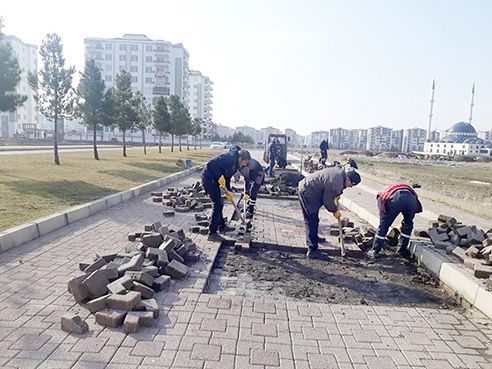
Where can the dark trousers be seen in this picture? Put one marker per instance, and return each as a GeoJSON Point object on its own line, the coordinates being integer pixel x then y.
{"type": "Point", "coordinates": [271, 164]}
{"type": "Point", "coordinates": [403, 202]}
{"type": "Point", "coordinates": [253, 194]}
{"type": "Point", "coordinates": [311, 224]}
{"type": "Point", "coordinates": [212, 188]}
{"type": "Point", "coordinates": [324, 156]}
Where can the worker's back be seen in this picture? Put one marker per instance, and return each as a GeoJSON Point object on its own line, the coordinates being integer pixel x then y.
{"type": "Point", "coordinates": [329, 180]}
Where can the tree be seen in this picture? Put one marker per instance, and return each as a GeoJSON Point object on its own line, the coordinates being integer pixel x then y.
{"type": "Point", "coordinates": [109, 113]}
{"type": "Point", "coordinates": [53, 85]}
{"type": "Point", "coordinates": [144, 118]}
{"type": "Point", "coordinates": [91, 99]}
{"type": "Point", "coordinates": [196, 129]}
{"type": "Point", "coordinates": [10, 76]}
{"type": "Point", "coordinates": [180, 120]}
{"type": "Point", "coordinates": [124, 105]}
{"type": "Point", "coordinates": [161, 119]}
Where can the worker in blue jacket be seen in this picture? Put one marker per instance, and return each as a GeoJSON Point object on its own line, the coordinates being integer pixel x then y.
{"type": "Point", "coordinates": [254, 176]}
{"type": "Point", "coordinates": [221, 165]}
{"type": "Point", "coordinates": [323, 148]}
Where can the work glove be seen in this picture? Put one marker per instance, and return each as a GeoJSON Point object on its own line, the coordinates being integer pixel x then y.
{"type": "Point", "coordinates": [337, 214]}
{"type": "Point", "coordinates": [337, 199]}
{"type": "Point", "coordinates": [246, 197]}
{"type": "Point", "coordinates": [222, 181]}
{"type": "Point", "coordinates": [229, 196]}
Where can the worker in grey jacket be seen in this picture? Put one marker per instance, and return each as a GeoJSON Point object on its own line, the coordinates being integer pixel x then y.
{"type": "Point", "coordinates": [322, 188]}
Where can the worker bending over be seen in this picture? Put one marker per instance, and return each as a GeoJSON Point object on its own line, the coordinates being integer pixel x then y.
{"type": "Point", "coordinates": [254, 176]}
{"type": "Point", "coordinates": [393, 200]}
{"type": "Point", "coordinates": [221, 165]}
{"type": "Point", "coordinates": [322, 188]}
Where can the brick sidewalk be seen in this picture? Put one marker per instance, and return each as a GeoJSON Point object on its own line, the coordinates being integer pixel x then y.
{"type": "Point", "coordinates": [197, 330]}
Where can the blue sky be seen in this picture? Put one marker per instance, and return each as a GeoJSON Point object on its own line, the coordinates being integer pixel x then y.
{"type": "Point", "coordinates": [307, 65]}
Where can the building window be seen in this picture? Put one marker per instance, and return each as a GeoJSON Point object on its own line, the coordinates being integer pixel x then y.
{"type": "Point", "coordinates": [148, 59]}
{"type": "Point", "coordinates": [134, 47]}
{"type": "Point", "coordinates": [148, 79]}
{"type": "Point", "coordinates": [122, 47]}
{"type": "Point", "coordinates": [122, 57]}
{"type": "Point", "coordinates": [148, 47]}
{"type": "Point", "coordinates": [109, 57]}
{"type": "Point", "coordinates": [134, 58]}
{"type": "Point", "coordinates": [109, 47]}
{"type": "Point", "coordinates": [133, 68]}
{"type": "Point", "coordinates": [148, 69]}
{"type": "Point", "coordinates": [108, 78]}
{"type": "Point", "coordinates": [134, 79]}
{"type": "Point", "coordinates": [109, 68]}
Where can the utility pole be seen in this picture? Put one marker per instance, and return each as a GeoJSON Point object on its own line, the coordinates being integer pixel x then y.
{"type": "Point", "coordinates": [429, 130]}
{"type": "Point", "coordinates": [472, 104]}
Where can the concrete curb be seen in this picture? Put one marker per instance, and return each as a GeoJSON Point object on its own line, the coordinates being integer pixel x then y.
{"type": "Point", "coordinates": [454, 276]}
{"type": "Point", "coordinates": [24, 233]}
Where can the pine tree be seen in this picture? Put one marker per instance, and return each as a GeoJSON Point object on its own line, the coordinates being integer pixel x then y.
{"type": "Point", "coordinates": [124, 105]}
{"type": "Point", "coordinates": [161, 119]}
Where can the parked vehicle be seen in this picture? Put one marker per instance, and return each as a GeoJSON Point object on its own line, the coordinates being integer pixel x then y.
{"type": "Point", "coordinates": [217, 145]}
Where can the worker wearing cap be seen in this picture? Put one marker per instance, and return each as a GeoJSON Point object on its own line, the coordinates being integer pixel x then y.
{"type": "Point", "coordinates": [224, 165]}
{"type": "Point", "coordinates": [322, 188]}
{"type": "Point", "coordinates": [254, 176]}
{"type": "Point", "coordinates": [393, 200]}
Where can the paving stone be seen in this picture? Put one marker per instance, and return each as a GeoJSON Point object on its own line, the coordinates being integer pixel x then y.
{"type": "Point", "coordinates": [126, 281]}
{"type": "Point", "coordinates": [130, 324]}
{"type": "Point", "coordinates": [146, 292]}
{"type": "Point", "coordinates": [215, 325]}
{"type": "Point", "coordinates": [83, 265]}
{"type": "Point", "coordinates": [173, 255]}
{"type": "Point", "coordinates": [472, 252]}
{"type": "Point", "coordinates": [110, 318]}
{"type": "Point", "coordinates": [268, 330]}
{"type": "Point", "coordinates": [151, 270]}
{"type": "Point", "coordinates": [73, 323]}
{"type": "Point", "coordinates": [206, 352]}
{"type": "Point", "coordinates": [161, 283]}
{"type": "Point", "coordinates": [148, 305]}
{"type": "Point", "coordinates": [146, 318]}
{"type": "Point", "coordinates": [124, 302]}
{"type": "Point", "coordinates": [178, 230]}
{"type": "Point", "coordinates": [168, 213]}
{"type": "Point", "coordinates": [264, 357]}
{"type": "Point", "coordinates": [152, 240]}
{"type": "Point", "coordinates": [116, 288]}
{"type": "Point", "coordinates": [96, 283]}
{"type": "Point", "coordinates": [141, 277]}
{"type": "Point", "coordinates": [98, 264]}
{"type": "Point", "coordinates": [135, 264]}
{"type": "Point", "coordinates": [176, 270]}
{"type": "Point", "coordinates": [79, 291]}
{"type": "Point", "coordinates": [97, 304]}
{"type": "Point", "coordinates": [148, 348]}
{"type": "Point", "coordinates": [482, 271]}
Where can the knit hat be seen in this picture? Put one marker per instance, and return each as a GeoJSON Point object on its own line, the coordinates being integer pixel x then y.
{"type": "Point", "coordinates": [353, 176]}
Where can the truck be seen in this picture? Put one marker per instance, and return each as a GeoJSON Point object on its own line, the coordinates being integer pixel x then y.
{"type": "Point", "coordinates": [281, 156]}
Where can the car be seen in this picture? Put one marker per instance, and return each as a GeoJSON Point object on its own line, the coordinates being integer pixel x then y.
{"type": "Point", "coordinates": [217, 145]}
{"type": "Point", "coordinates": [227, 145]}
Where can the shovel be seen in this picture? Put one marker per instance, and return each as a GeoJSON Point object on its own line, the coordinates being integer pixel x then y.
{"type": "Point", "coordinates": [340, 235]}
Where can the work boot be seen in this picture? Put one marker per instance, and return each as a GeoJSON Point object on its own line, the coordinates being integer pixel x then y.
{"type": "Point", "coordinates": [373, 254]}
{"type": "Point", "coordinates": [249, 215]}
{"type": "Point", "coordinates": [226, 229]}
{"type": "Point", "coordinates": [315, 254]}
{"type": "Point", "coordinates": [403, 252]}
{"type": "Point", "coordinates": [215, 237]}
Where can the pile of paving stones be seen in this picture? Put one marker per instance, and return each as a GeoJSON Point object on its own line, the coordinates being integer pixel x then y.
{"type": "Point", "coordinates": [363, 237]}
{"type": "Point", "coordinates": [470, 244]}
{"type": "Point", "coordinates": [185, 199]}
{"type": "Point", "coordinates": [311, 165]}
{"type": "Point", "coordinates": [119, 288]}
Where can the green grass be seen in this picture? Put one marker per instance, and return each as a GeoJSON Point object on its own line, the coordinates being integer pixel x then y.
{"type": "Point", "coordinates": [31, 186]}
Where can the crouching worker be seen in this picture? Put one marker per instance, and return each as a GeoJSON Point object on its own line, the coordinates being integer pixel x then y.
{"type": "Point", "coordinates": [393, 200]}
{"type": "Point", "coordinates": [322, 188]}
{"type": "Point", "coordinates": [254, 176]}
{"type": "Point", "coordinates": [221, 165]}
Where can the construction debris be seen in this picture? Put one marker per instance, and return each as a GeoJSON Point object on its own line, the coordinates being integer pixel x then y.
{"type": "Point", "coordinates": [468, 243]}
{"type": "Point", "coordinates": [183, 200]}
{"type": "Point", "coordinates": [119, 288]}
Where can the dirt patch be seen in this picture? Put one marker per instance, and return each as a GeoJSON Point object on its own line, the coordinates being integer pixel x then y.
{"type": "Point", "coordinates": [290, 276]}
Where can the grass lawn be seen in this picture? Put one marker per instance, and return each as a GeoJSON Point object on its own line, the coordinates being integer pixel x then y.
{"type": "Point", "coordinates": [31, 186]}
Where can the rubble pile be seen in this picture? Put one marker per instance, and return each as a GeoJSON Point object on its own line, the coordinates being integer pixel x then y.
{"type": "Point", "coordinates": [185, 199]}
{"type": "Point", "coordinates": [311, 165]}
{"type": "Point", "coordinates": [119, 288]}
{"type": "Point", "coordinates": [470, 244]}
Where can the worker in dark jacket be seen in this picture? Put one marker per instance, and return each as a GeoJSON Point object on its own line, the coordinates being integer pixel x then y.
{"type": "Point", "coordinates": [323, 148]}
{"type": "Point", "coordinates": [254, 176]}
{"type": "Point", "coordinates": [322, 188]}
{"type": "Point", "coordinates": [393, 200]}
{"type": "Point", "coordinates": [221, 165]}
{"type": "Point", "coordinates": [272, 154]}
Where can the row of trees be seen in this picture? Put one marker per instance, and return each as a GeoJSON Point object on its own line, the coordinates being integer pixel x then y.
{"type": "Point", "coordinates": [237, 137]}
{"type": "Point", "coordinates": [97, 106]}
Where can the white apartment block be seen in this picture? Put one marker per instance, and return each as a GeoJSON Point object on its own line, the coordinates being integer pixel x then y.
{"type": "Point", "coordinates": [315, 138]}
{"type": "Point", "coordinates": [414, 139]}
{"type": "Point", "coordinates": [292, 138]}
{"type": "Point", "coordinates": [265, 132]}
{"type": "Point", "coordinates": [378, 139]}
{"type": "Point", "coordinates": [224, 131]}
{"type": "Point", "coordinates": [200, 100]}
{"type": "Point", "coordinates": [396, 140]}
{"type": "Point", "coordinates": [250, 131]}
{"type": "Point", "coordinates": [24, 118]}
{"type": "Point", "coordinates": [157, 67]}
{"type": "Point", "coordinates": [339, 138]}
{"type": "Point", "coordinates": [358, 139]}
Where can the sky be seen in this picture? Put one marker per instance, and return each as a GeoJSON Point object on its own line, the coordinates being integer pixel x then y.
{"type": "Point", "coordinates": [307, 65]}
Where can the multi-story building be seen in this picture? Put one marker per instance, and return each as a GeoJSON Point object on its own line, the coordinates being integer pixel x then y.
{"type": "Point", "coordinates": [378, 139]}
{"type": "Point", "coordinates": [339, 138]}
{"type": "Point", "coordinates": [265, 132]}
{"type": "Point", "coordinates": [250, 131]}
{"type": "Point", "coordinates": [292, 137]}
{"type": "Point", "coordinates": [224, 131]}
{"type": "Point", "coordinates": [200, 101]}
{"type": "Point", "coordinates": [357, 139]}
{"type": "Point", "coordinates": [157, 67]}
{"type": "Point", "coordinates": [24, 118]}
{"type": "Point", "coordinates": [413, 139]}
{"type": "Point", "coordinates": [396, 140]}
{"type": "Point", "coordinates": [316, 137]}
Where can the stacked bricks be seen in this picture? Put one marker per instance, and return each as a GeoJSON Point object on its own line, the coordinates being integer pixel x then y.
{"type": "Point", "coordinates": [182, 200]}
{"type": "Point", "coordinates": [468, 243]}
{"type": "Point", "coordinates": [119, 288]}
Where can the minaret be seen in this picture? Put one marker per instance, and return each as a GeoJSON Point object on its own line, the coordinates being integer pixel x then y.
{"type": "Point", "coordinates": [429, 131]}
{"type": "Point", "coordinates": [472, 104]}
